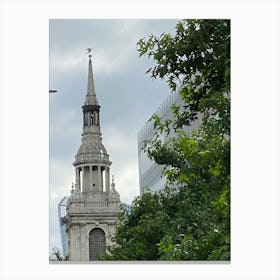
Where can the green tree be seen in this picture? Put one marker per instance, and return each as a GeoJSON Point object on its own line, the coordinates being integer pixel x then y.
{"type": "Point", "coordinates": [140, 229]}
{"type": "Point", "coordinates": [192, 220]}
{"type": "Point", "coordinates": [195, 61]}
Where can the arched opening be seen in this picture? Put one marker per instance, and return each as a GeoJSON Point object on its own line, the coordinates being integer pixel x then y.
{"type": "Point", "coordinates": [91, 118]}
{"type": "Point", "coordinates": [81, 179]}
{"type": "Point", "coordinates": [96, 244]}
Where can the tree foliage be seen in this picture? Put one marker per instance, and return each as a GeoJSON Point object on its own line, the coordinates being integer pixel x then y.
{"type": "Point", "coordinates": [56, 255]}
{"type": "Point", "coordinates": [189, 219]}
{"type": "Point", "coordinates": [195, 61]}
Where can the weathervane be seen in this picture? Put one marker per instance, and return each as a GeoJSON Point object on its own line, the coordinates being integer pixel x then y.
{"type": "Point", "coordinates": [89, 52]}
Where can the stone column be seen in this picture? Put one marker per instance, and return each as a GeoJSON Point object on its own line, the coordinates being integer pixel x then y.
{"type": "Point", "coordinates": [77, 185]}
{"type": "Point", "coordinates": [88, 118]}
{"type": "Point", "coordinates": [75, 243]}
{"type": "Point", "coordinates": [101, 178]}
{"type": "Point", "coordinates": [83, 175]}
{"type": "Point", "coordinates": [94, 118]}
{"type": "Point", "coordinates": [98, 177]}
{"type": "Point", "coordinates": [107, 170]}
{"type": "Point", "coordinates": [84, 240]}
{"type": "Point", "coordinates": [90, 178]}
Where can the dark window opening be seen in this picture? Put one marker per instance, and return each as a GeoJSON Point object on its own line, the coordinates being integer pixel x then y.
{"type": "Point", "coordinates": [91, 118]}
{"type": "Point", "coordinates": [96, 244]}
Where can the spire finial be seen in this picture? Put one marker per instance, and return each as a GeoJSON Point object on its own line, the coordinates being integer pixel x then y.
{"type": "Point", "coordinates": [90, 97]}
{"type": "Point", "coordinates": [89, 52]}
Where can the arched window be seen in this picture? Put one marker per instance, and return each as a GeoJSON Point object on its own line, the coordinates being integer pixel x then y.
{"type": "Point", "coordinates": [85, 119]}
{"type": "Point", "coordinates": [96, 244]}
{"type": "Point", "coordinates": [91, 118]}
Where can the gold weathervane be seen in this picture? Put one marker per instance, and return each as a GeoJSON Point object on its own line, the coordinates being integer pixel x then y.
{"type": "Point", "coordinates": [89, 52]}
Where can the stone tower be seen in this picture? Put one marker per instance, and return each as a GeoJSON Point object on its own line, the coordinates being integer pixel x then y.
{"type": "Point", "coordinates": [93, 207]}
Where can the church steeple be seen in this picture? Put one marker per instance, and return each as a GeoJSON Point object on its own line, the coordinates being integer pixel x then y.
{"type": "Point", "coordinates": [93, 207]}
{"type": "Point", "coordinates": [92, 162]}
{"type": "Point", "coordinates": [91, 107]}
{"type": "Point", "coordinates": [90, 97]}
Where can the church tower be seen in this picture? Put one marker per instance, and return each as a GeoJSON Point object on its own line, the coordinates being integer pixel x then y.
{"type": "Point", "coordinates": [93, 207]}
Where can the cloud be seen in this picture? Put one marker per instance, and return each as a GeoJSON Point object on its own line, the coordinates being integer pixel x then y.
{"type": "Point", "coordinates": [61, 177]}
{"type": "Point", "coordinates": [111, 53]}
{"type": "Point", "coordinates": [113, 41]}
{"type": "Point", "coordinates": [64, 119]}
{"type": "Point", "coordinates": [122, 148]}
{"type": "Point", "coordinates": [127, 97]}
{"type": "Point", "coordinates": [126, 178]}
{"type": "Point", "coordinates": [66, 61]}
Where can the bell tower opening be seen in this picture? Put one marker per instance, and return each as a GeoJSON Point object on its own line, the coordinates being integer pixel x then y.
{"type": "Point", "coordinates": [91, 114]}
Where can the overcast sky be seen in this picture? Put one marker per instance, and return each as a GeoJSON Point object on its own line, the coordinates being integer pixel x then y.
{"type": "Point", "coordinates": [127, 96]}
{"type": "Point", "coordinates": [24, 145]}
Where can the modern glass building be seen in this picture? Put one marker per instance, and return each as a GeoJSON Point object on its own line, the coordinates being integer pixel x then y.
{"type": "Point", "coordinates": [62, 223]}
{"type": "Point", "coordinates": [150, 173]}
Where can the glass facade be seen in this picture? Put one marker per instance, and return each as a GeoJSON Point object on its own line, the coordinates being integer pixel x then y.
{"type": "Point", "coordinates": [62, 213]}
{"type": "Point", "coordinates": [150, 173]}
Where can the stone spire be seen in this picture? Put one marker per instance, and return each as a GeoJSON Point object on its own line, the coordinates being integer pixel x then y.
{"type": "Point", "coordinates": [90, 97]}
{"type": "Point", "coordinates": [93, 207]}
{"type": "Point", "coordinates": [92, 161]}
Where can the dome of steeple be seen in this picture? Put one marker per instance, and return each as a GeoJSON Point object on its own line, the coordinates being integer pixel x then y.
{"type": "Point", "coordinates": [90, 148]}
{"type": "Point", "coordinates": [89, 152]}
